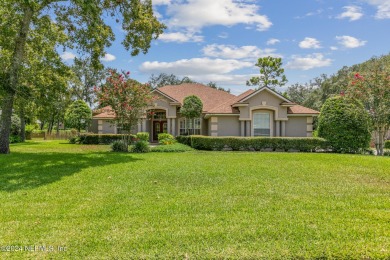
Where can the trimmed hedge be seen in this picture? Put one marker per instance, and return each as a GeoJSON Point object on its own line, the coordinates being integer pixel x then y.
{"type": "Point", "coordinates": [387, 144]}
{"type": "Point", "coordinates": [102, 138]}
{"type": "Point", "coordinates": [302, 144]}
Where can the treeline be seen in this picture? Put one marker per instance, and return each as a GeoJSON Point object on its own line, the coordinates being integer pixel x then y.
{"type": "Point", "coordinates": [314, 93]}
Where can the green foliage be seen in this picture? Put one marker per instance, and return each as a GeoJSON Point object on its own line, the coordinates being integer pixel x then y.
{"type": "Point", "coordinates": [165, 139]}
{"type": "Point", "coordinates": [387, 144]}
{"type": "Point", "coordinates": [15, 125]}
{"type": "Point", "coordinates": [119, 146]}
{"type": "Point", "coordinates": [103, 138]}
{"type": "Point", "coordinates": [176, 147]}
{"type": "Point", "coordinates": [78, 115]}
{"type": "Point", "coordinates": [345, 124]}
{"type": "Point", "coordinates": [143, 136]}
{"type": "Point", "coordinates": [14, 139]}
{"type": "Point", "coordinates": [303, 144]}
{"type": "Point", "coordinates": [271, 73]}
{"type": "Point", "coordinates": [141, 147]}
{"type": "Point", "coordinates": [192, 107]}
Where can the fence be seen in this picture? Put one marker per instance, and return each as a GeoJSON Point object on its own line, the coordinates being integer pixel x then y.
{"type": "Point", "coordinates": [53, 136]}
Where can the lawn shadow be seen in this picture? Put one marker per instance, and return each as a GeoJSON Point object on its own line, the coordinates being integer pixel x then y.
{"type": "Point", "coordinates": [23, 171]}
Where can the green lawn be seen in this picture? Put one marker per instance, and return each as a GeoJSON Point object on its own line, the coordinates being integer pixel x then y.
{"type": "Point", "coordinates": [104, 205]}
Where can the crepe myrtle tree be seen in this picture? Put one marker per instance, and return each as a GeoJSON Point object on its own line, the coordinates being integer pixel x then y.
{"type": "Point", "coordinates": [191, 109]}
{"type": "Point", "coordinates": [372, 87]}
{"type": "Point", "coordinates": [127, 98]}
{"type": "Point", "coordinates": [86, 30]}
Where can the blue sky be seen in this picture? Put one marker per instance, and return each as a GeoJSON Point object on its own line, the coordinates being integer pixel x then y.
{"type": "Point", "coordinates": [221, 40]}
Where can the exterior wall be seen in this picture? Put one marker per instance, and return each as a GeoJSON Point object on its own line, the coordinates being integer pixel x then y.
{"type": "Point", "coordinates": [296, 127]}
{"type": "Point", "coordinates": [108, 127]}
{"type": "Point", "coordinates": [228, 126]}
{"type": "Point", "coordinates": [164, 104]}
{"type": "Point", "coordinates": [205, 127]}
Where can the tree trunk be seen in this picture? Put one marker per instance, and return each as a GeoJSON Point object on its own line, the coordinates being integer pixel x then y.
{"type": "Point", "coordinates": [58, 129]}
{"type": "Point", "coordinates": [12, 78]}
{"type": "Point", "coordinates": [22, 124]}
{"type": "Point", "coordinates": [380, 140]}
{"type": "Point", "coordinates": [6, 122]}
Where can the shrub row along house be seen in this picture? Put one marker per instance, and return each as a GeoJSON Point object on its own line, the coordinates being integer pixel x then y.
{"type": "Point", "coordinates": [261, 112]}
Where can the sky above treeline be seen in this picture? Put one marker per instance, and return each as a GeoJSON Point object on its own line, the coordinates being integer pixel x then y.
{"type": "Point", "coordinates": [221, 40]}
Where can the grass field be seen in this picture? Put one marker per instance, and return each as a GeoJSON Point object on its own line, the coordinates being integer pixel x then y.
{"type": "Point", "coordinates": [84, 202]}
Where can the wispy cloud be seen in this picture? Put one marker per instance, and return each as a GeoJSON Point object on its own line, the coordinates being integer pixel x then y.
{"type": "Point", "coordinates": [248, 52]}
{"type": "Point", "coordinates": [68, 56]}
{"type": "Point", "coordinates": [310, 43]}
{"type": "Point", "coordinates": [352, 12]}
{"type": "Point", "coordinates": [108, 57]}
{"type": "Point", "coordinates": [350, 42]}
{"type": "Point", "coordinates": [180, 37]}
{"type": "Point", "coordinates": [383, 8]}
{"type": "Point", "coordinates": [273, 41]}
{"type": "Point", "coordinates": [316, 60]}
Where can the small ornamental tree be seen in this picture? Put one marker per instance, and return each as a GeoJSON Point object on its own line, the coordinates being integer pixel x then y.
{"type": "Point", "coordinates": [271, 73]}
{"type": "Point", "coordinates": [373, 89]}
{"type": "Point", "coordinates": [192, 108]}
{"type": "Point", "coordinates": [127, 98]}
{"type": "Point", "coordinates": [345, 124]}
{"type": "Point", "coordinates": [78, 115]}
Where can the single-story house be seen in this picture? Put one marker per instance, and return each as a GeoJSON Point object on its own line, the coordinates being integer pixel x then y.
{"type": "Point", "coordinates": [261, 112]}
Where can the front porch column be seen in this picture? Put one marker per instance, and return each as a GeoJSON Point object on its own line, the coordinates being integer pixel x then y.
{"type": "Point", "coordinates": [242, 132]}
{"type": "Point", "coordinates": [174, 126]}
{"type": "Point", "coordinates": [248, 128]}
{"type": "Point", "coordinates": [277, 128]}
{"type": "Point", "coordinates": [283, 128]}
{"type": "Point", "coordinates": [169, 126]}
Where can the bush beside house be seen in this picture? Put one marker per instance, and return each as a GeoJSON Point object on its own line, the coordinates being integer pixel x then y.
{"type": "Point", "coordinates": [345, 124]}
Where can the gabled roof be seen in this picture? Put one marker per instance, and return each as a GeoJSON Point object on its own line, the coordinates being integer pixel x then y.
{"type": "Point", "coordinates": [245, 98]}
{"type": "Point", "coordinates": [299, 110]}
{"type": "Point", "coordinates": [210, 97]}
{"type": "Point", "coordinates": [104, 113]}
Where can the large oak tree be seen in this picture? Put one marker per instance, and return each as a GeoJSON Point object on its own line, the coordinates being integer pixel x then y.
{"type": "Point", "coordinates": [83, 23]}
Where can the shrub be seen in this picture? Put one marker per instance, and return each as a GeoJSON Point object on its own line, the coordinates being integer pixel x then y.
{"type": "Point", "coordinates": [303, 144]}
{"type": "Point", "coordinates": [345, 124]}
{"type": "Point", "coordinates": [103, 138]}
{"type": "Point", "coordinates": [165, 139]}
{"type": "Point", "coordinates": [387, 144]}
{"type": "Point", "coordinates": [143, 136]}
{"type": "Point", "coordinates": [141, 147]}
{"type": "Point", "coordinates": [119, 146]}
{"type": "Point", "coordinates": [14, 139]}
{"type": "Point", "coordinates": [171, 148]}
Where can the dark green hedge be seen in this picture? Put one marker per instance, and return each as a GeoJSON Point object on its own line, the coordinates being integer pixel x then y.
{"type": "Point", "coordinates": [387, 144]}
{"type": "Point", "coordinates": [101, 138]}
{"type": "Point", "coordinates": [303, 144]}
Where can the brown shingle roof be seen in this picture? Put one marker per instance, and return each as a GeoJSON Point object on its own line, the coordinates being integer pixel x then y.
{"type": "Point", "coordinates": [105, 113]}
{"type": "Point", "coordinates": [298, 109]}
{"type": "Point", "coordinates": [210, 97]}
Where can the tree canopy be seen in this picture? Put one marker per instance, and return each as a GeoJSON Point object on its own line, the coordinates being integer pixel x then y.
{"type": "Point", "coordinates": [78, 115]}
{"type": "Point", "coordinates": [271, 73]}
{"type": "Point", "coordinates": [79, 25]}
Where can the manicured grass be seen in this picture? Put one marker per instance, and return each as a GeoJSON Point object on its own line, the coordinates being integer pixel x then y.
{"type": "Point", "coordinates": [105, 205]}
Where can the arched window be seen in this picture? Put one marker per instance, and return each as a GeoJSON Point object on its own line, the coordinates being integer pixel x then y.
{"type": "Point", "coordinates": [261, 124]}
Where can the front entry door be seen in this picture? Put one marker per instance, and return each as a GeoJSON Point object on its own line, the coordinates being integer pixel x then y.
{"type": "Point", "coordinates": [159, 127]}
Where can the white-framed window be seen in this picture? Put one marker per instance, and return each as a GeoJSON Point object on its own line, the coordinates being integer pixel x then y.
{"type": "Point", "coordinates": [189, 126]}
{"type": "Point", "coordinates": [261, 124]}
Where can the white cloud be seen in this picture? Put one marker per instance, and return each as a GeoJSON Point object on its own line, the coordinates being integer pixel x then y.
{"type": "Point", "coordinates": [316, 60]}
{"type": "Point", "coordinates": [68, 56]}
{"type": "Point", "coordinates": [180, 37]}
{"type": "Point", "coordinates": [352, 12]}
{"type": "Point", "coordinates": [334, 48]}
{"type": "Point", "coordinates": [349, 41]}
{"type": "Point", "coordinates": [234, 52]}
{"type": "Point", "coordinates": [195, 66]}
{"type": "Point", "coordinates": [383, 8]}
{"type": "Point", "coordinates": [310, 43]}
{"type": "Point", "coordinates": [108, 57]}
{"type": "Point", "coordinates": [223, 35]}
{"type": "Point", "coordinates": [196, 14]}
{"type": "Point", "coordinates": [161, 2]}
{"type": "Point", "coordinates": [272, 41]}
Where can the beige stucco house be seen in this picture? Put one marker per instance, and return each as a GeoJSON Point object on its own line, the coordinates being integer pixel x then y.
{"type": "Point", "coordinates": [261, 112]}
